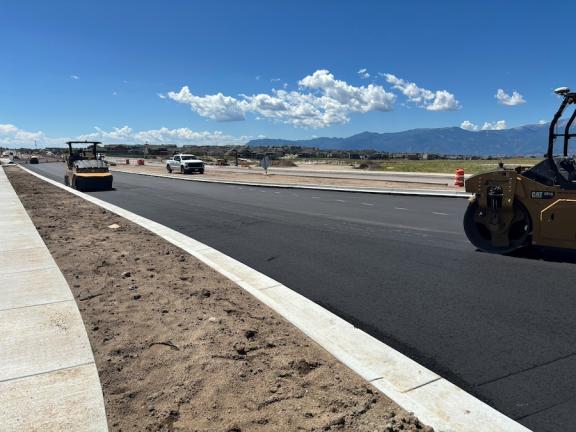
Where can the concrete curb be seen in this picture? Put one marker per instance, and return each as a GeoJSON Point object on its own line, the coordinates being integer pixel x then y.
{"type": "Point", "coordinates": [48, 377]}
{"type": "Point", "coordinates": [413, 192]}
{"type": "Point", "coordinates": [431, 398]}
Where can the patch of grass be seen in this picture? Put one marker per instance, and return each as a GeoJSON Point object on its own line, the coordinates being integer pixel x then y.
{"type": "Point", "coordinates": [435, 166]}
{"type": "Point", "coordinates": [450, 166]}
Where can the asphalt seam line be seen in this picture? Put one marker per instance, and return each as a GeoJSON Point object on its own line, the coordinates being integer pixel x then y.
{"type": "Point", "coordinates": [435, 401]}
{"type": "Point", "coordinates": [414, 192]}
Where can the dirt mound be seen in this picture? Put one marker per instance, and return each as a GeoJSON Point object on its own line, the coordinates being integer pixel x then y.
{"type": "Point", "coordinates": [368, 165]}
{"type": "Point", "coordinates": [283, 163]}
{"type": "Point", "coordinates": [181, 348]}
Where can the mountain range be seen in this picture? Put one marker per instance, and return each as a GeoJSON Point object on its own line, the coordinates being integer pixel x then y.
{"type": "Point", "coordinates": [523, 140]}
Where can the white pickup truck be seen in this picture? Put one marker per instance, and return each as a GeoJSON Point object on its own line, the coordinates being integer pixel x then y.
{"type": "Point", "coordinates": [185, 163]}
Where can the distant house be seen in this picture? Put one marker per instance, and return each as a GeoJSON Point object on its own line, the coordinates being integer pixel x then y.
{"type": "Point", "coordinates": [246, 153]}
{"type": "Point", "coordinates": [118, 149]}
{"type": "Point", "coordinates": [306, 155]}
{"type": "Point", "coordinates": [160, 149]}
{"type": "Point", "coordinates": [379, 156]}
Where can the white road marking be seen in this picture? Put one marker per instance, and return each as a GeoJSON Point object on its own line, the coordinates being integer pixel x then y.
{"type": "Point", "coordinates": [340, 200]}
{"type": "Point", "coordinates": [400, 208]}
{"type": "Point", "coordinates": [367, 204]}
{"type": "Point", "coordinates": [315, 197]}
{"type": "Point", "coordinates": [277, 192]}
{"type": "Point", "coordinates": [441, 214]}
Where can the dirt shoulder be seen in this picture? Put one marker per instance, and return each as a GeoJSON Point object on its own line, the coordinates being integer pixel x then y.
{"type": "Point", "coordinates": [260, 177]}
{"type": "Point", "coordinates": [181, 348]}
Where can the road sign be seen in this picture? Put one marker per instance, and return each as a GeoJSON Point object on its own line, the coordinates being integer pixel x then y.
{"type": "Point", "coordinates": [265, 163]}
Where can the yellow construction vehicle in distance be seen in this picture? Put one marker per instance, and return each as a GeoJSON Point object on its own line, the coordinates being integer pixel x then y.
{"type": "Point", "coordinates": [84, 170]}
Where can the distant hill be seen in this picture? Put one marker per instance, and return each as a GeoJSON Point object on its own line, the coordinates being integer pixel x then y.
{"type": "Point", "coordinates": [524, 140]}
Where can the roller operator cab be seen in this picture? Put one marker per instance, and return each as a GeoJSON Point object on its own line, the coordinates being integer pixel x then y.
{"type": "Point", "coordinates": [514, 208]}
{"type": "Point", "coordinates": [85, 171]}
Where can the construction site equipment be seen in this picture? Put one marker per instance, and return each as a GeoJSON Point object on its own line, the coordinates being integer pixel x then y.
{"type": "Point", "coordinates": [514, 208]}
{"type": "Point", "coordinates": [84, 170]}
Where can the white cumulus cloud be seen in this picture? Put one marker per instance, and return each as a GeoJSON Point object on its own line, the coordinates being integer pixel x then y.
{"type": "Point", "coordinates": [364, 73]}
{"type": "Point", "coordinates": [469, 126]}
{"type": "Point", "coordinates": [74, 77]}
{"type": "Point", "coordinates": [11, 136]}
{"type": "Point", "coordinates": [321, 101]}
{"type": "Point", "coordinates": [497, 125]}
{"type": "Point", "coordinates": [511, 100]}
{"type": "Point", "coordinates": [439, 100]}
{"type": "Point", "coordinates": [180, 136]}
{"type": "Point", "coordinates": [216, 107]}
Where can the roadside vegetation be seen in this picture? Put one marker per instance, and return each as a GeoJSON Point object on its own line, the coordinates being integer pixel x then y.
{"type": "Point", "coordinates": [428, 166]}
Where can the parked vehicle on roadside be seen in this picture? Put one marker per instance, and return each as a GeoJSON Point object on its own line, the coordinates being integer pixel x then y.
{"type": "Point", "coordinates": [34, 159]}
{"type": "Point", "coordinates": [185, 164]}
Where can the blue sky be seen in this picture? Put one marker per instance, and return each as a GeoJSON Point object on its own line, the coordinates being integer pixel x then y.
{"type": "Point", "coordinates": [68, 67]}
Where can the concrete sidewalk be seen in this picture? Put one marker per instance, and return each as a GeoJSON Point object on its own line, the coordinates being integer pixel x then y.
{"type": "Point", "coordinates": [48, 378]}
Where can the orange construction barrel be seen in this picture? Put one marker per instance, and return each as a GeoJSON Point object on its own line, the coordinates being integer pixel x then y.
{"type": "Point", "coordinates": [459, 178]}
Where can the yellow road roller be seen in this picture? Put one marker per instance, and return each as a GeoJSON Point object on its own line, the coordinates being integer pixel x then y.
{"type": "Point", "coordinates": [84, 170]}
{"type": "Point", "coordinates": [515, 208]}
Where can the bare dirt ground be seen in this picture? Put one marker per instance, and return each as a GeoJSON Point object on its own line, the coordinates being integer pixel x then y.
{"type": "Point", "coordinates": [181, 348]}
{"type": "Point", "coordinates": [257, 176]}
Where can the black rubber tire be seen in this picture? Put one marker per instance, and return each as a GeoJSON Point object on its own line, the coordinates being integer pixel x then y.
{"type": "Point", "coordinates": [201, 171]}
{"type": "Point", "coordinates": [169, 169]}
{"type": "Point", "coordinates": [66, 181]}
{"type": "Point", "coordinates": [182, 170]}
{"type": "Point", "coordinates": [519, 234]}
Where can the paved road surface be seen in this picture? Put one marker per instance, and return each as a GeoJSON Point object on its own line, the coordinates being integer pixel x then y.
{"type": "Point", "coordinates": [502, 328]}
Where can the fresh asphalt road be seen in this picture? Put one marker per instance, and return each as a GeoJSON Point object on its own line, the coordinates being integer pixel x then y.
{"type": "Point", "coordinates": [400, 268]}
